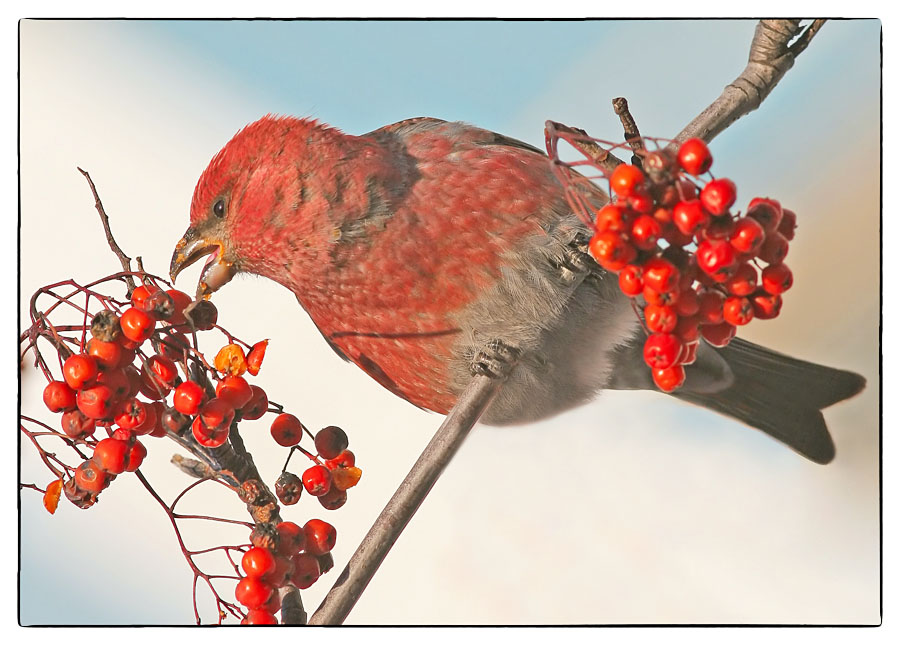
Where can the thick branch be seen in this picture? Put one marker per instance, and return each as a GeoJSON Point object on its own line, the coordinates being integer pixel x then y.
{"type": "Point", "coordinates": [771, 56]}
{"type": "Point", "coordinates": [403, 505]}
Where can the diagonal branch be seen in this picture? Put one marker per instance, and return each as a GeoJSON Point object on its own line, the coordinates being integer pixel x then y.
{"type": "Point", "coordinates": [771, 56]}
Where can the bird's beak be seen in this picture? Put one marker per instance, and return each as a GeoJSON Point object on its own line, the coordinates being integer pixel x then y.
{"type": "Point", "coordinates": [194, 246]}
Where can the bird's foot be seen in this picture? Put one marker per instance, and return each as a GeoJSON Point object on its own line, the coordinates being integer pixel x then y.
{"type": "Point", "coordinates": [495, 360]}
{"type": "Point", "coordinates": [575, 260]}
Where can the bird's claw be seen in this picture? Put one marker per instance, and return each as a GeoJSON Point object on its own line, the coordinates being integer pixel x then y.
{"type": "Point", "coordinates": [495, 360]}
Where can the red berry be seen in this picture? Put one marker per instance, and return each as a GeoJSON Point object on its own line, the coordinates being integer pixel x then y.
{"type": "Point", "coordinates": [661, 350]}
{"type": "Point", "coordinates": [625, 180]}
{"type": "Point", "coordinates": [718, 335]}
{"type": "Point", "coordinates": [687, 329]}
{"type": "Point", "coordinates": [316, 480]}
{"type": "Point", "coordinates": [694, 157]}
{"type": "Point", "coordinates": [660, 318]}
{"type": "Point", "coordinates": [660, 274]}
{"type": "Point", "coordinates": [188, 397]}
{"type": "Point", "coordinates": [257, 405]}
{"type": "Point", "coordinates": [216, 413]}
{"type": "Point", "coordinates": [258, 562]}
{"type": "Point", "coordinates": [611, 217]}
{"type": "Point", "coordinates": [89, 477]}
{"type": "Point", "coordinates": [107, 355]}
{"type": "Point", "coordinates": [777, 278]}
{"type": "Point", "coordinates": [141, 293]}
{"type": "Point", "coordinates": [688, 303]}
{"type": "Point", "coordinates": [291, 538]}
{"type": "Point", "coordinates": [255, 357]}
{"type": "Point", "coordinates": [151, 418]}
{"type": "Point", "coordinates": [689, 353]}
{"type": "Point", "coordinates": [76, 424]}
{"type": "Point", "coordinates": [209, 437]}
{"type": "Point", "coordinates": [765, 305]}
{"type": "Point", "coordinates": [136, 456]}
{"type": "Point", "coordinates": [344, 460]}
{"type": "Point", "coordinates": [137, 325]}
{"type": "Point", "coordinates": [747, 235]}
{"type": "Point", "coordinates": [631, 280]}
{"type": "Point", "coordinates": [333, 499]}
{"type": "Point", "coordinates": [320, 537]}
{"type": "Point", "coordinates": [719, 228]}
{"type": "Point", "coordinates": [287, 430]}
{"type": "Point", "coordinates": [640, 201]}
{"type": "Point", "coordinates": [174, 345]}
{"type": "Point", "coordinates": [260, 617]}
{"type": "Point", "coordinates": [645, 232]}
{"type": "Point", "coordinates": [96, 401]}
{"type": "Point", "coordinates": [718, 195]}
{"type": "Point", "coordinates": [767, 212]}
{"type": "Point", "coordinates": [690, 217]}
{"type": "Point", "coordinates": [58, 396]}
{"type": "Point", "coordinates": [306, 571]}
{"type": "Point", "coordinates": [180, 300]}
{"type": "Point", "coordinates": [716, 258]}
{"type": "Point", "coordinates": [174, 421]}
{"type": "Point", "coordinates": [669, 378]}
{"type": "Point", "coordinates": [774, 249]}
{"type": "Point", "coordinates": [79, 370]}
{"type": "Point", "coordinates": [612, 250]}
{"type": "Point", "coordinates": [737, 310]}
{"type": "Point", "coordinates": [281, 572]}
{"type": "Point", "coordinates": [253, 593]}
{"type": "Point", "coordinates": [330, 442]}
{"type": "Point", "coordinates": [654, 297]}
{"type": "Point", "coordinates": [743, 282]}
{"type": "Point", "coordinates": [235, 391]}
{"type": "Point", "coordinates": [788, 224]}
{"type": "Point", "coordinates": [131, 413]}
{"type": "Point", "coordinates": [711, 302]}
{"type": "Point", "coordinates": [111, 455]}
{"type": "Point", "coordinates": [161, 369]}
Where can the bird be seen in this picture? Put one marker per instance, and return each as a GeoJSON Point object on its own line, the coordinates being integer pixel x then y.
{"type": "Point", "coordinates": [422, 246]}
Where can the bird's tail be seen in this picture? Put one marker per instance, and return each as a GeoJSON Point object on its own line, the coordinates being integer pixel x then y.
{"type": "Point", "coordinates": [780, 395]}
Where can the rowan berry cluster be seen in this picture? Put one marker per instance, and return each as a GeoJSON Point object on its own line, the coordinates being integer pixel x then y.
{"type": "Point", "coordinates": [289, 554]}
{"type": "Point", "coordinates": [691, 264]}
{"type": "Point", "coordinates": [136, 371]}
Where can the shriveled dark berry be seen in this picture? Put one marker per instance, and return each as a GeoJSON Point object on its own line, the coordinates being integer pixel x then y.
{"type": "Point", "coordinates": [105, 326]}
{"type": "Point", "coordinates": [288, 488]}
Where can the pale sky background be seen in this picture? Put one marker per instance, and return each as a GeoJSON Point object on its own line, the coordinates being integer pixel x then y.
{"type": "Point", "coordinates": [672, 514]}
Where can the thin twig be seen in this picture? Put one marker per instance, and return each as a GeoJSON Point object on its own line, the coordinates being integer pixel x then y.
{"type": "Point", "coordinates": [104, 218]}
{"type": "Point", "coordinates": [603, 158]}
{"type": "Point", "coordinates": [632, 134]}
{"type": "Point", "coordinates": [771, 56]}
{"type": "Point", "coordinates": [403, 505]}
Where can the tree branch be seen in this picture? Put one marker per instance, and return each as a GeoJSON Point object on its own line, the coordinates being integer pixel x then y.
{"type": "Point", "coordinates": [405, 502]}
{"type": "Point", "coordinates": [771, 56]}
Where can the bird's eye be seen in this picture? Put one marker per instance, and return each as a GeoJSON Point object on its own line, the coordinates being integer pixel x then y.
{"type": "Point", "coordinates": [219, 208]}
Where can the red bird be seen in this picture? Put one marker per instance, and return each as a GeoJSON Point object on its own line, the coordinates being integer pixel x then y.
{"type": "Point", "coordinates": [416, 245]}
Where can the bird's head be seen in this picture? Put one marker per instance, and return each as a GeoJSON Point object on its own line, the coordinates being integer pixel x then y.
{"type": "Point", "coordinates": [253, 200]}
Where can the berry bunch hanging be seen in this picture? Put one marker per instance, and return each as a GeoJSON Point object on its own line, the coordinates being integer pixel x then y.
{"type": "Point", "coordinates": [693, 265]}
{"type": "Point", "coordinates": [133, 370]}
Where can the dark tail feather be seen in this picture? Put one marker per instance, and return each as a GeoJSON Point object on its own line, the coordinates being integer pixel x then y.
{"type": "Point", "coordinates": [780, 395]}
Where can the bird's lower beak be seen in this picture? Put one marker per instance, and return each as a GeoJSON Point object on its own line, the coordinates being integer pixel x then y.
{"type": "Point", "coordinates": [217, 271]}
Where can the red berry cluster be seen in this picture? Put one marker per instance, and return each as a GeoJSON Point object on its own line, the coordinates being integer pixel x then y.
{"type": "Point", "coordinates": [294, 554]}
{"type": "Point", "coordinates": [332, 473]}
{"type": "Point", "coordinates": [115, 383]}
{"type": "Point", "coordinates": [674, 242]}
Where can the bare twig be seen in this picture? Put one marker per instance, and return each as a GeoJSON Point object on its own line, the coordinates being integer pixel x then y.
{"type": "Point", "coordinates": [104, 218]}
{"type": "Point", "coordinates": [771, 56]}
{"type": "Point", "coordinates": [632, 134]}
{"type": "Point", "coordinates": [403, 505]}
{"type": "Point", "coordinates": [604, 159]}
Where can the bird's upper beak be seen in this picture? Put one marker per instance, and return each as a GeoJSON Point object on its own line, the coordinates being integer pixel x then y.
{"type": "Point", "coordinates": [193, 246]}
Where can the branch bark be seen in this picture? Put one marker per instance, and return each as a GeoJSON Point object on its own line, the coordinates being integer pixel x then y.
{"type": "Point", "coordinates": [771, 56]}
{"type": "Point", "coordinates": [405, 502]}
